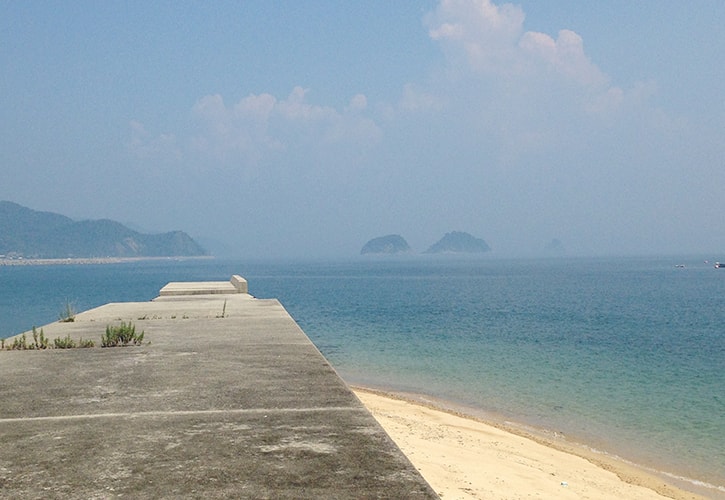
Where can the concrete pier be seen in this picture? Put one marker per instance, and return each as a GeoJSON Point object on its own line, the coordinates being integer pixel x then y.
{"type": "Point", "coordinates": [226, 398]}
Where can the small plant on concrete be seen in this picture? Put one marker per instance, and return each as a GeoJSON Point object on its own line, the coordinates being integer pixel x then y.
{"type": "Point", "coordinates": [40, 341]}
{"type": "Point", "coordinates": [64, 342]}
{"type": "Point", "coordinates": [20, 343]}
{"type": "Point", "coordinates": [86, 343]}
{"type": "Point", "coordinates": [121, 335]}
{"type": "Point", "coordinates": [68, 314]}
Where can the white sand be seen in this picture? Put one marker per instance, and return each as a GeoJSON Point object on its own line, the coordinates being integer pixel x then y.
{"type": "Point", "coordinates": [464, 458]}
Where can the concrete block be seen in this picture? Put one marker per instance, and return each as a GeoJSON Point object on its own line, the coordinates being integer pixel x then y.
{"type": "Point", "coordinates": [239, 283]}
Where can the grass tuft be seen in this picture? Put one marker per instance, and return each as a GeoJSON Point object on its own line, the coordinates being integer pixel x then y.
{"type": "Point", "coordinates": [121, 335]}
{"type": "Point", "coordinates": [68, 314]}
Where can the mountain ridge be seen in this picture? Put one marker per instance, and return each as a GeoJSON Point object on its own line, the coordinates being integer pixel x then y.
{"type": "Point", "coordinates": [33, 234]}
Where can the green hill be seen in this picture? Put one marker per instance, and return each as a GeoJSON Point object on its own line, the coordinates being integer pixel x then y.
{"type": "Point", "coordinates": [32, 234]}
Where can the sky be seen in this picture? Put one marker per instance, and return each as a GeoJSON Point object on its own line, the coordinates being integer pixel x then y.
{"type": "Point", "coordinates": [304, 129]}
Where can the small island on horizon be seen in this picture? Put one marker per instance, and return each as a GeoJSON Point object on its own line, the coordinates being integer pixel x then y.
{"type": "Point", "coordinates": [388, 245]}
{"type": "Point", "coordinates": [455, 242]}
{"type": "Point", "coordinates": [459, 242]}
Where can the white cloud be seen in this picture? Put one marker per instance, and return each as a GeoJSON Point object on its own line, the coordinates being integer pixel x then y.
{"type": "Point", "coordinates": [258, 124]}
{"type": "Point", "coordinates": [606, 104]}
{"type": "Point", "coordinates": [144, 145]}
{"type": "Point", "coordinates": [358, 103]}
{"type": "Point", "coordinates": [476, 20]}
{"type": "Point", "coordinates": [565, 56]}
{"type": "Point", "coordinates": [527, 89]}
{"type": "Point", "coordinates": [480, 31]}
{"type": "Point", "coordinates": [235, 132]}
{"type": "Point", "coordinates": [492, 41]}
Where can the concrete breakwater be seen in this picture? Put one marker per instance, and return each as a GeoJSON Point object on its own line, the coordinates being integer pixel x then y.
{"type": "Point", "coordinates": [226, 398]}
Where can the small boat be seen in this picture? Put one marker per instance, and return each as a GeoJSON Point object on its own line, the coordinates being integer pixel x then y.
{"type": "Point", "coordinates": [718, 265]}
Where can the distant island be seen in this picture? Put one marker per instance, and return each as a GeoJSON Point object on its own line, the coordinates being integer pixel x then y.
{"type": "Point", "coordinates": [456, 242]}
{"type": "Point", "coordinates": [31, 234]}
{"type": "Point", "coordinates": [459, 242]}
{"type": "Point", "coordinates": [554, 247]}
{"type": "Point", "coordinates": [390, 244]}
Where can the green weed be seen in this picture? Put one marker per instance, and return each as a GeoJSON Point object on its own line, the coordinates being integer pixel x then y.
{"type": "Point", "coordinates": [40, 341]}
{"type": "Point", "coordinates": [20, 343]}
{"type": "Point", "coordinates": [68, 314]}
{"type": "Point", "coordinates": [121, 335]}
{"type": "Point", "coordinates": [64, 343]}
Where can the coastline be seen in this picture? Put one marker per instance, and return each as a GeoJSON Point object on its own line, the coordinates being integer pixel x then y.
{"type": "Point", "coordinates": [464, 456]}
{"type": "Point", "coordinates": [349, 328]}
{"type": "Point", "coordinates": [97, 260]}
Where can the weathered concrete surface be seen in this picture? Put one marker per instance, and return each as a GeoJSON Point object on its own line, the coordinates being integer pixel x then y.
{"type": "Point", "coordinates": [227, 398]}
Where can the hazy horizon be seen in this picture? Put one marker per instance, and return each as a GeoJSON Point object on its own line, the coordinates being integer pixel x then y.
{"type": "Point", "coordinates": [287, 129]}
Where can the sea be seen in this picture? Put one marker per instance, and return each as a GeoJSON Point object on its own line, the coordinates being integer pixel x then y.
{"type": "Point", "coordinates": [624, 355]}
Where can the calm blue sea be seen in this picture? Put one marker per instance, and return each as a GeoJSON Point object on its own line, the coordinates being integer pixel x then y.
{"type": "Point", "coordinates": [626, 355]}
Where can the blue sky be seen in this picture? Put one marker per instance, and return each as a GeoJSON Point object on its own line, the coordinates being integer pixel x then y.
{"type": "Point", "coordinates": [307, 128]}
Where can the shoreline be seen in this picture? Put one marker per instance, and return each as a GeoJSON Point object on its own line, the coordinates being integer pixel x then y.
{"type": "Point", "coordinates": [97, 260]}
{"type": "Point", "coordinates": [466, 456]}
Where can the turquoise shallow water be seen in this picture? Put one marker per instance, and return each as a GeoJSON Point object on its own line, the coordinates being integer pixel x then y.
{"type": "Point", "coordinates": [626, 355]}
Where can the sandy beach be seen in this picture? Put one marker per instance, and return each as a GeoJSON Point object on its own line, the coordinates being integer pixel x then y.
{"type": "Point", "coordinates": [465, 458]}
